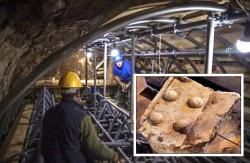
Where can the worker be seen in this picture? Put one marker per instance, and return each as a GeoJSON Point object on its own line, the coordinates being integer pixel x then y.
{"type": "Point", "coordinates": [122, 71]}
{"type": "Point", "coordinates": [68, 134]}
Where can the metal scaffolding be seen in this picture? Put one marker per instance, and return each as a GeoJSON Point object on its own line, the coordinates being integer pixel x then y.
{"type": "Point", "coordinates": [114, 124]}
{"type": "Point", "coordinates": [31, 147]}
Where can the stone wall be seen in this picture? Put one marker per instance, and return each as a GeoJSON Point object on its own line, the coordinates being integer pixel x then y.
{"type": "Point", "coordinates": [31, 31]}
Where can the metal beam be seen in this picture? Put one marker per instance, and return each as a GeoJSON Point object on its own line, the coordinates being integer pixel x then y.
{"type": "Point", "coordinates": [99, 64]}
{"type": "Point", "coordinates": [223, 70]}
{"type": "Point", "coordinates": [136, 47]}
{"type": "Point", "coordinates": [195, 42]}
{"type": "Point", "coordinates": [192, 65]}
{"type": "Point", "coordinates": [194, 53]}
{"type": "Point", "coordinates": [129, 47]}
{"type": "Point", "coordinates": [123, 111]}
{"type": "Point", "coordinates": [132, 82]}
{"type": "Point", "coordinates": [126, 46]}
{"type": "Point", "coordinates": [95, 76]}
{"type": "Point", "coordinates": [148, 43]}
{"type": "Point", "coordinates": [86, 70]}
{"type": "Point", "coordinates": [195, 25]}
{"type": "Point", "coordinates": [223, 40]}
{"type": "Point", "coordinates": [105, 59]}
{"type": "Point", "coordinates": [165, 43]}
{"type": "Point", "coordinates": [220, 38]}
{"type": "Point", "coordinates": [210, 45]}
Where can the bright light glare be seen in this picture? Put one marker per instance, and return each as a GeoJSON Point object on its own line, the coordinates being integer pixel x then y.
{"type": "Point", "coordinates": [81, 61]}
{"type": "Point", "coordinates": [114, 52]}
{"type": "Point", "coordinates": [53, 79]}
{"type": "Point", "coordinates": [242, 46]}
{"type": "Point", "coordinates": [89, 54]}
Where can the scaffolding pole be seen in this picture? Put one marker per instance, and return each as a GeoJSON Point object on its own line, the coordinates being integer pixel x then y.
{"type": "Point", "coordinates": [105, 69]}
{"type": "Point", "coordinates": [95, 76]}
{"type": "Point", "coordinates": [86, 70]}
{"type": "Point", "coordinates": [210, 44]}
{"type": "Point", "coordinates": [132, 81]}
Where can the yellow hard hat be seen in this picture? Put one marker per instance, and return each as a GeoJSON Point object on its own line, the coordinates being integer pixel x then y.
{"type": "Point", "coordinates": [70, 80]}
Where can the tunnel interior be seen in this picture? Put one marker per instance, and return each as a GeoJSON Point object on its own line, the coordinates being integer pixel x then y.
{"type": "Point", "coordinates": [40, 42]}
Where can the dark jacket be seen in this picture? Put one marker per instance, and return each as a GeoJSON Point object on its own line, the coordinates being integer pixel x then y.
{"type": "Point", "coordinates": [67, 135]}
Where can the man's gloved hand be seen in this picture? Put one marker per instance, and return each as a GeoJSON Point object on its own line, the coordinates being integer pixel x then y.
{"type": "Point", "coordinates": [81, 102]}
{"type": "Point", "coordinates": [116, 158]}
{"type": "Point", "coordinates": [127, 86]}
{"type": "Point", "coordinates": [123, 85]}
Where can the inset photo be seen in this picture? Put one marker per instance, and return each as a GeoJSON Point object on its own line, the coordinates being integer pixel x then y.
{"type": "Point", "coordinates": [193, 115]}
